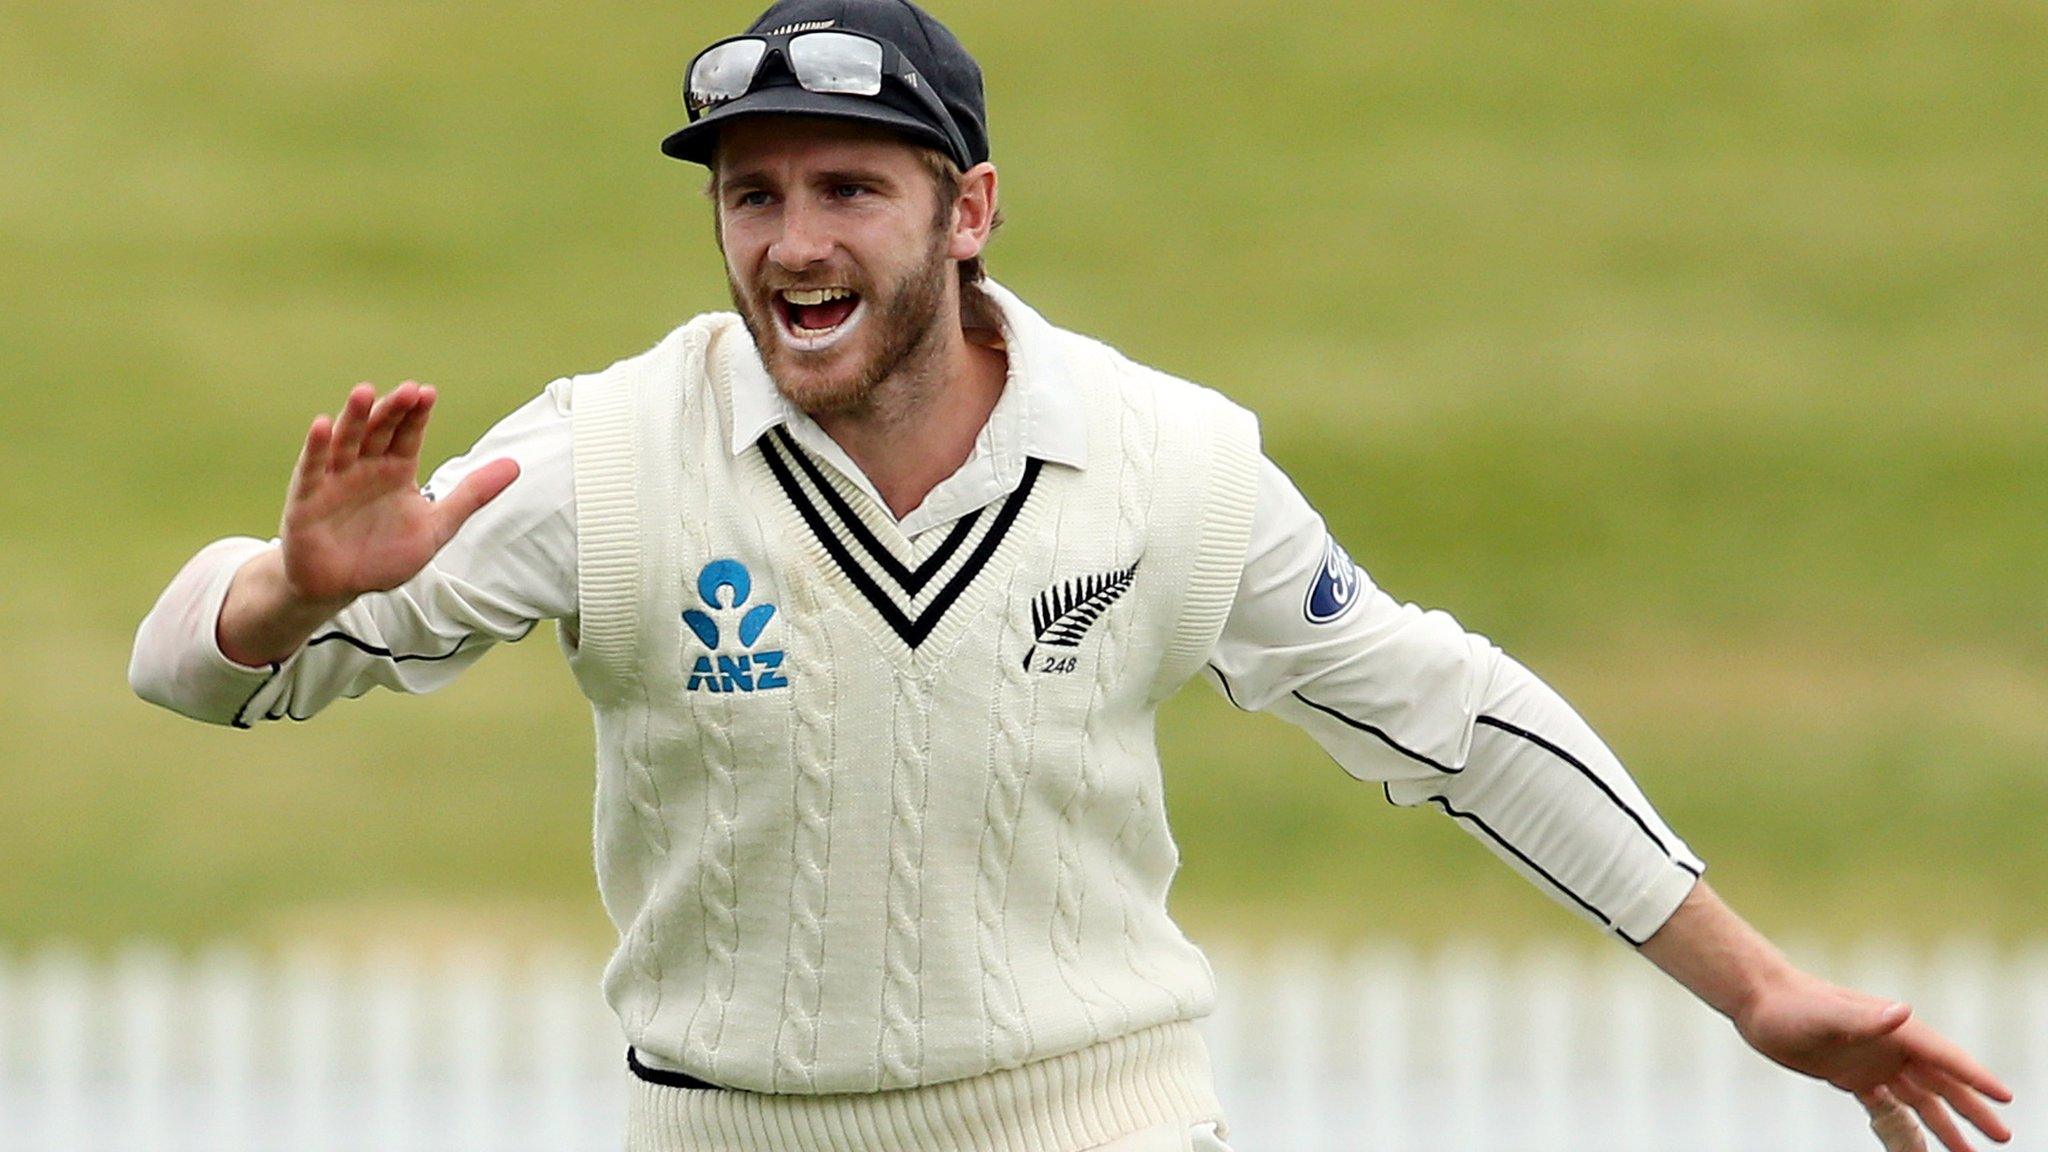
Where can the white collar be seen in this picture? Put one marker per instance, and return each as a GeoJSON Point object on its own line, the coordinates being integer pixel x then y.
{"type": "Point", "coordinates": [1039, 415]}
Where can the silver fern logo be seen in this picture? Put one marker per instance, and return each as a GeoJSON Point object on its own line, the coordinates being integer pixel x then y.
{"type": "Point", "coordinates": [1062, 614]}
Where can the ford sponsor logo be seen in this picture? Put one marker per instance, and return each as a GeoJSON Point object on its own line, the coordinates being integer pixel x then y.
{"type": "Point", "coordinates": [1336, 586]}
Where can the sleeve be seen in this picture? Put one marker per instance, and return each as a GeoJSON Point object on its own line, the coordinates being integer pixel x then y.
{"type": "Point", "coordinates": [1440, 716]}
{"type": "Point", "coordinates": [512, 564]}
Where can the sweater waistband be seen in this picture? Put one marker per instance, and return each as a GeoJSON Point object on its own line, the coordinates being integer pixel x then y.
{"type": "Point", "coordinates": [1068, 1103]}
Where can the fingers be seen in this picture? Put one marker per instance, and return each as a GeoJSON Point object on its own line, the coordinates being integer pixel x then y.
{"type": "Point", "coordinates": [1892, 1121]}
{"type": "Point", "coordinates": [386, 416]}
{"type": "Point", "coordinates": [1962, 1098]}
{"type": "Point", "coordinates": [1932, 1113]}
{"type": "Point", "coordinates": [476, 490]}
{"type": "Point", "coordinates": [313, 456]}
{"type": "Point", "coordinates": [1933, 1050]}
{"type": "Point", "coordinates": [350, 426]}
{"type": "Point", "coordinates": [412, 428]}
{"type": "Point", "coordinates": [370, 427]}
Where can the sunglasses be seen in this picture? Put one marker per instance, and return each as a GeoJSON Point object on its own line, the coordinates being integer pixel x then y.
{"type": "Point", "coordinates": [830, 63]}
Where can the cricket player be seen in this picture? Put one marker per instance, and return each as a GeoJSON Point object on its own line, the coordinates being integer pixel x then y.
{"type": "Point", "coordinates": [874, 586]}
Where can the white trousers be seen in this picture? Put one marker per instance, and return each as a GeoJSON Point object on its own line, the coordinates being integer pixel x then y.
{"type": "Point", "coordinates": [1169, 1138]}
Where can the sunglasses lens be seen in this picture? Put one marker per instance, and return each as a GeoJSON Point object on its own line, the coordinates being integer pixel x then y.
{"type": "Point", "coordinates": [836, 62]}
{"type": "Point", "coordinates": [723, 73]}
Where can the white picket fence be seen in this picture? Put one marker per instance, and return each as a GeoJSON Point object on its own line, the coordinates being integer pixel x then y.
{"type": "Point", "coordinates": [1461, 1049]}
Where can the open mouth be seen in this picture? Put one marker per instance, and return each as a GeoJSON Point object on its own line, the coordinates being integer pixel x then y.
{"type": "Point", "coordinates": [812, 319]}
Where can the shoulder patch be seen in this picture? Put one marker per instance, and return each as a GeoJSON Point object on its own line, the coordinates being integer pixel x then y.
{"type": "Point", "coordinates": [1336, 585]}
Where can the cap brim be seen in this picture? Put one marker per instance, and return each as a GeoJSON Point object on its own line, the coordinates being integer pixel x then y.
{"type": "Point", "coordinates": [696, 142]}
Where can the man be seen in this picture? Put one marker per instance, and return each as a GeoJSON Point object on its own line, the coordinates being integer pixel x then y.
{"type": "Point", "coordinates": [874, 589]}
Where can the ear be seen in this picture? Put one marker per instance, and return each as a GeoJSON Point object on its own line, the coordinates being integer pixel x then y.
{"type": "Point", "coordinates": [974, 212]}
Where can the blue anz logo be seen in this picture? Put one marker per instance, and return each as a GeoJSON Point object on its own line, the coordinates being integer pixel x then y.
{"type": "Point", "coordinates": [1336, 586]}
{"type": "Point", "coordinates": [724, 587]}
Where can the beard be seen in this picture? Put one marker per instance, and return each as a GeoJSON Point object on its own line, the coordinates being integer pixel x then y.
{"type": "Point", "coordinates": [895, 339]}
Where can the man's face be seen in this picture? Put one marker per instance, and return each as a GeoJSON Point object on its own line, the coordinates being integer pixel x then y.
{"type": "Point", "coordinates": [835, 246]}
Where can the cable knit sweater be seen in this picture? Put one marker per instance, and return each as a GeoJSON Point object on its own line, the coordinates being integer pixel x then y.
{"type": "Point", "coordinates": [926, 842]}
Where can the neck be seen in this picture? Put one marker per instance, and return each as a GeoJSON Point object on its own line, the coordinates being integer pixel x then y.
{"type": "Point", "coordinates": [920, 425]}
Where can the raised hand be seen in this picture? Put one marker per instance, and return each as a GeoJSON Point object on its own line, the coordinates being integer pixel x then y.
{"type": "Point", "coordinates": [355, 520]}
{"type": "Point", "coordinates": [1875, 1049]}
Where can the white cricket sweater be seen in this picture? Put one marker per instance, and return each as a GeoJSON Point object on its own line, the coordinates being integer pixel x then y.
{"type": "Point", "coordinates": [876, 815]}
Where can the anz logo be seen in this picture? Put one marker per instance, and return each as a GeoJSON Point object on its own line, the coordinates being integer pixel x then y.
{"type": "Point", "coordinates": [724, 586]}
{"type": "Point", "coordinates": [1336, 586]}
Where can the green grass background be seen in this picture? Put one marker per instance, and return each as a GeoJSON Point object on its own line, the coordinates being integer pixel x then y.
{"type": "Point", "coordinates": [1696, 353]}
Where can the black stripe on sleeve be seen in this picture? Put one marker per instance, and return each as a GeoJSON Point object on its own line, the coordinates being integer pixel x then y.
{"type": "Point", "coordinates": [1387, 790]}
{"type": "Point", "coordinates": [370, 649]}
{"type": "Point", "coordinates": [1503, 726]}
{"type": "Point", "coordinates": [241, 717]}
{"type": "Point", "coordinates": [1227, 693]}
{"type": "Point", "coordinates": [1588, 773]}
{"type": "Point", "coordinates": [1380, 733]}
{"type": "Point", "coordinates": [1474, 819]}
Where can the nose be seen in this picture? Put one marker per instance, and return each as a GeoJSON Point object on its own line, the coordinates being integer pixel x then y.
{"type": "Point", "coordinates": [803, 240]}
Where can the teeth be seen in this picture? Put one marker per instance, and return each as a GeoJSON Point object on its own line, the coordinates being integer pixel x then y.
{"type": "Point", "coordinates": [805, 339]}
{"type": "Point", "coordinates": [808, 296]}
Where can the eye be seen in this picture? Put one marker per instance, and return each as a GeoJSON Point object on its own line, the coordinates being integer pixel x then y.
{"type": "Point", "coordinates": [848, 191]}
{"type": "Point", "coordinates": [752, 198]}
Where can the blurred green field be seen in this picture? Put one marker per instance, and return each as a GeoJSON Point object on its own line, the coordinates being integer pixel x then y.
{"type": "Point", "coordinates": [1696, 353]}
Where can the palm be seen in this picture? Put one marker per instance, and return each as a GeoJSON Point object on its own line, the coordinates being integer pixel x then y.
{"type": "Point", "coordinates": [355, 520]}
{"type": "Point", "coordinates": [364, 530]}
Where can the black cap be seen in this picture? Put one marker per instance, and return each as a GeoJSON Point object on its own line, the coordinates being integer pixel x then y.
{"type": "Point", "coordinates": [948, 71]}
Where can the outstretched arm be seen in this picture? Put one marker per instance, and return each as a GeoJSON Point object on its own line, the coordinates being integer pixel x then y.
{"type": "Point", "coordinates": [1862, 1044]}
{"type": "Point", "coordinates": [1439, 716]}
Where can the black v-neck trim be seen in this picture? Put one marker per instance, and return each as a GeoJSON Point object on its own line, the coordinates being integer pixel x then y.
{"type": "Point", "coordinates": [912, 581]}
{"type": "Point", "coordinates": [913, 630]}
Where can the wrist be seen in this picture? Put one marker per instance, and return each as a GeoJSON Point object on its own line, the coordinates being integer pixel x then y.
{"type": "Point", "coordinates": [284, 598]}
{"type": "Point", "coordinates": [1714, 953]}
{"type": "Point", "coordinates": [1759, 980]}
{"type": "Point", "coordinates": [299, 602]}
{"type": "Point", "coordinates": [264, 617]}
